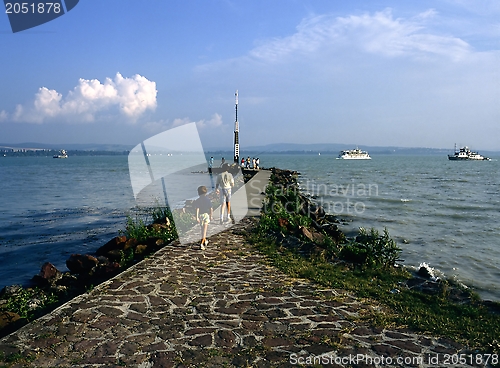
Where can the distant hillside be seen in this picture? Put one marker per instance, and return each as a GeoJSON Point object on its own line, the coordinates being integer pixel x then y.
{"type": "Point", "coordinates": [69, 146]}
{"type": "Point", "coordinates": [336, 147]}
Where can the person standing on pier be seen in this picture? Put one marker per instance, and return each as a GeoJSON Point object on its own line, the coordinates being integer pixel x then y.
{"type": "Point", "coordinates": [225, 181]}
{"type": "Point", "coordinates": [204, 214]}
{"type": "Point", "coordinates": [210, 164]}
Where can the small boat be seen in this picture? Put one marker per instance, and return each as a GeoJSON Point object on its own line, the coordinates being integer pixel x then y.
{"type": "Point", "coordinates": [62, 154]}
{"type": "Point", "coordinates": [465, 154]}
{"type": "Point", "coordinates": [354, 154]}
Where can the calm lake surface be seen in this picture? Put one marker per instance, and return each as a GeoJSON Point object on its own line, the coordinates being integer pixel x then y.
{"type": "Point", "coordinates": [440, 212]}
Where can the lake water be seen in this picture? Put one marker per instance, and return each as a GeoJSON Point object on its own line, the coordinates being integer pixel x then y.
{"type": "Point", "coordinates": [440, 212]}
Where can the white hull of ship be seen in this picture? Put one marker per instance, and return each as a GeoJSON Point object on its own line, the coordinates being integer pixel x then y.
{"type": "Point", "coordinates": [354, 158]}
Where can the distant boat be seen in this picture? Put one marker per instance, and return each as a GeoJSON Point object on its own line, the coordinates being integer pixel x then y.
{"type": "Point", "coordinates": [465, 154]}
{"type": "Point", "coordinates": [62, 154]}
{"type": "Point", "coordinates": [354, 154]}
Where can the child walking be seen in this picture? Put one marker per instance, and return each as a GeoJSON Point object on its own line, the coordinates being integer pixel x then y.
{"type": "Point", "coordinates": [204, 214]}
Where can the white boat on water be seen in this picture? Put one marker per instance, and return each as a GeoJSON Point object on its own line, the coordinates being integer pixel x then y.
{"type": "Point", "coordinates": [465, 154]}
{"type": "Point", "coordinates": [62, 154]}
{"type": "Point", "coordinates": [354, 154]}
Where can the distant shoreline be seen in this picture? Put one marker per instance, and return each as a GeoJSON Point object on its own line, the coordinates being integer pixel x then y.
{"type": "Point", "coordinates": [51, 153]}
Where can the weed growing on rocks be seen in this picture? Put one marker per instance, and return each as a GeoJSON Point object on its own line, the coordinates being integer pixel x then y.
{"type": "Point", "coordinates": [25, 301]}
{"type": "Point", "coordinates": [371, 249]}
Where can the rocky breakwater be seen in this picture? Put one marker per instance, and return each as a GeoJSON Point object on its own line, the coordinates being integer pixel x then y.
{"type": "Point", "coordinates": [51, 287]}
{"type": "Point", "coordinates": [299, 222]}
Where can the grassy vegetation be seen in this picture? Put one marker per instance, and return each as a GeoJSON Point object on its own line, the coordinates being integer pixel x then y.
{"type": "Point", "coordinates": [27, 303]}
{"type": "Point", "coordinates": [142, 227]}
{"type": "Point", "coordinates": [366, 266]}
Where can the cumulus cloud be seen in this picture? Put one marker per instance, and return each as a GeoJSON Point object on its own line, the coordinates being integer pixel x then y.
{"type": "Point", "coordinates": [132, 96]}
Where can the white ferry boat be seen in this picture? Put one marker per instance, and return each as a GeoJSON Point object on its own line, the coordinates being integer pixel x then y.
{"type": "Point", "coordinates": [354, 154]}
{"type": "Point", "coordinates": [62, 154]}
{"type": "Point", "coordinates": [465, 154]}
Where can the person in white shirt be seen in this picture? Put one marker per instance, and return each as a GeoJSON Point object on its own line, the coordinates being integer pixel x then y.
{"type": "Point", "coordinates": [225, 181]}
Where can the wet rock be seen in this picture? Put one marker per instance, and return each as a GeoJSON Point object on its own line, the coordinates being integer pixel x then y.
{"type": "Point", "coordinates": [493, 307]}
{"type": "Point", "coordinates": [48, 274]}
{"type": "Point", "coordinates": [108, 270]}
{"type": "Point", "coordinates": [305, 232]}
{"type": "Point", "coordinates": [424, 272]}
{"type": "Point", "coordinates": [130, 243]}
{"type": "Point", "coordinates": [7, 318]}
{"type": "Point", "coordinates": [102, 260]}
{"type": "Point", "coordinates": [141, 249]}
{"type": "Point", "coordinates": [115, 243]}
{"type": "Point", "coordinates": [331, 219]}
{"type": "Point", "coordinates": [313, 236]}
{"type": "Point", "coordinates": [114, 255]}
{"type": "Point", "coordinates": [10, 290]}
{"type": "Point", "coordinates": [311, 209]}
{"type": "Point", "coordinates": [334, 232]}
{"type": "Point", "coordinates": [155, 243]}
{"type": "Point", "coordinates": [81, 264]}
{"type": "Point", "coordinates": [67, 279]}
{"type": "Point", "coordinates": [49, 271]}
{"type": "Point", "coordinates": [291, 242]}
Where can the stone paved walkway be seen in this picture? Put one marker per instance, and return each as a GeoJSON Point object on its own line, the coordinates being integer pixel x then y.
{"type": "Point", "coordinates": [222, 307]}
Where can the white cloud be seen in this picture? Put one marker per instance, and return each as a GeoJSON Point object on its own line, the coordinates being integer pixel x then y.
{"type": "Point", "coordinates": [214, 122]}
{"type": "Point", "coordinates": [132, 96]}
{"type": "Point", "coordinates": [378, 33]}
{"type": "Point", "coordinates": [158, 126]}
{"type": "Point", "coordinates": [3, 115]}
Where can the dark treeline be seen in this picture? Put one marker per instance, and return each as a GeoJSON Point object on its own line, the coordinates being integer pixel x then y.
{"type": "Point", "coordinates": [50, 153]}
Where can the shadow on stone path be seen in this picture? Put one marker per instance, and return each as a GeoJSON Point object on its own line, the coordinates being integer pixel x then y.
{"type": "Point", "coordinates": [184, 307]}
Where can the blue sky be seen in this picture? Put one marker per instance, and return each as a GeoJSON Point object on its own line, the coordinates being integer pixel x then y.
{"type": "Point", "coordinates": [377, 73]}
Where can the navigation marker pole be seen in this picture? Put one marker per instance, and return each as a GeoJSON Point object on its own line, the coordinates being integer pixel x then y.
{"type": "Point", "coordinates": [236, 131]}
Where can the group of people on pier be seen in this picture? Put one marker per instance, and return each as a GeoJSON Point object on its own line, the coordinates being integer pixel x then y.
{"type": "Point", "coordinates": [247, 163]}
{"type": "Point", "coordinates": [252, 163]}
